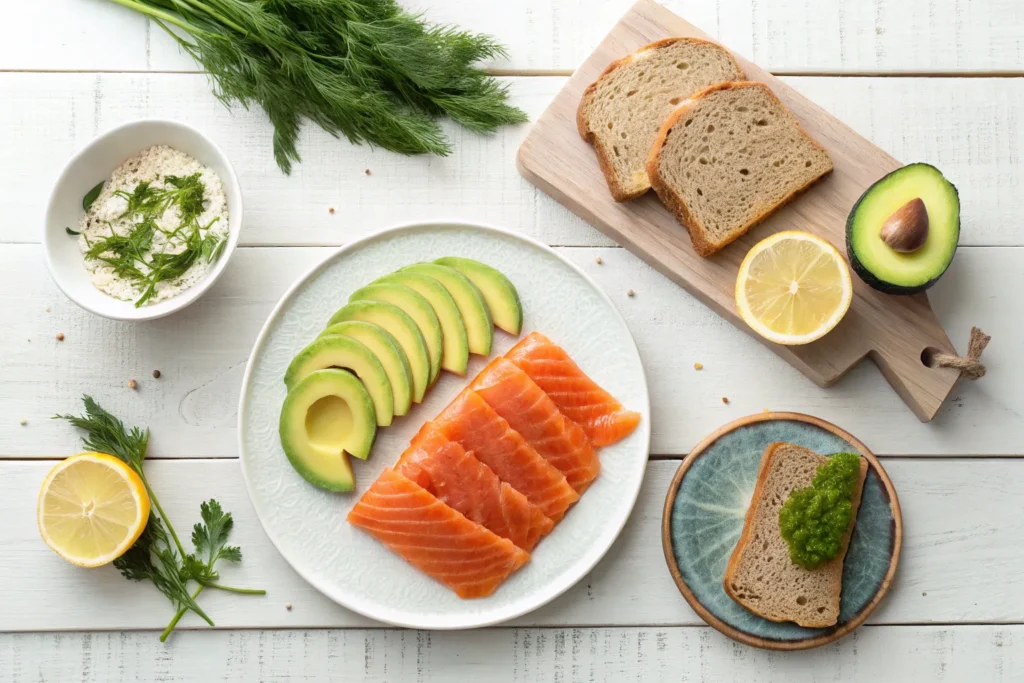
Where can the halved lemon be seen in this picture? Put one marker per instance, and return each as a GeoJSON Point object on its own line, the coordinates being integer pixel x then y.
{"type": "Point", "coordinates": [793, 288]}
{"type": "Point", "coordinates": [92, 507]}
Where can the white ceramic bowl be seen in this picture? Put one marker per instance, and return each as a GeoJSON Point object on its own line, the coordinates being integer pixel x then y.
{"type": "Point", "coordinates": [95, 163]}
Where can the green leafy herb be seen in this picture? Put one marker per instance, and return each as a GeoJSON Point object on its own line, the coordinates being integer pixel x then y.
{"type": "Point", "coordinates": [91, 195]}
{"type": "Point", "coordinates": [813, 520]}
{"type": "Point", "coordinates": [158, 556]}
{"type": "Point", "coordinates": [365, 69]}
{"type": "Point", "coordinates": [71, 232]}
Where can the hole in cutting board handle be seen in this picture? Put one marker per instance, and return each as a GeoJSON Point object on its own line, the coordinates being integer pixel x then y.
{"type": "Point", "coordinates": [928, 357]}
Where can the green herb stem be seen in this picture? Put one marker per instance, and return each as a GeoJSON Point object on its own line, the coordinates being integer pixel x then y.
{"type": "Point", "coordinates": [166, 520]}
{"type": "Point", "coordinates": [232, 589]}
{"type": "Point", "coordinates": [178, 615]}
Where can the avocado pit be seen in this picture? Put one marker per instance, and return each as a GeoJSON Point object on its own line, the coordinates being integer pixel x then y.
{"type": "Point", "coordinates": [906, 230]}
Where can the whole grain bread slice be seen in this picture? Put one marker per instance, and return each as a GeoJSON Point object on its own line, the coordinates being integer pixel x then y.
{"type": "Point", "coordinates": [760, 575]}
{"type": "Point", "coordinates": [620, 113]}
{"type": "Point", "coordinates": [729, 157]}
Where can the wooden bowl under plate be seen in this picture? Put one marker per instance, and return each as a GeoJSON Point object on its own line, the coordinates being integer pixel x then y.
{"type": "Point", "coordinates": [704, 513]}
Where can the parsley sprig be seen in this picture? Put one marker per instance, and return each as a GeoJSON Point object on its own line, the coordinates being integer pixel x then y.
{"type": "Point", "coordinates": [159, 556]}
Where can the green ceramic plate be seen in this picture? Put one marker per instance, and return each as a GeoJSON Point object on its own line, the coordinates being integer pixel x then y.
{"type": "Point", "coordinates": [704, 514]}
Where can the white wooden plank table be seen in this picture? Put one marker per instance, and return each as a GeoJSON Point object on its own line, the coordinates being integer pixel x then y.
{"type": "Point", "coordinates": [932, 80]}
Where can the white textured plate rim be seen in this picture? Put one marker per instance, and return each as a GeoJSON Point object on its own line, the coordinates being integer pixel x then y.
{"type": "Point", "coordinates": [582, 567]}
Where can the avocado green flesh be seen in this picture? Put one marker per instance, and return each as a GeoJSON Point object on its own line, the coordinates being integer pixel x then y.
{"type": "Point", "coordinates": [455, 347]}
{"type": "Point", "coordinates": [325, 418]}
{"type": "Point", "coordinates": [875, 261]}
{"type": "Point", "coordinates": [418, 308]}
{"type": "Point", "coordinates": [498, 291]}
{"type": "Point", "coordinates": [388, 351]}
{"type": "Point", "coordinates": [403, 328]}
{"type": "Point", "coordinates": [346, 353]}
{"type": "Point", "coordinates": [475, 314]}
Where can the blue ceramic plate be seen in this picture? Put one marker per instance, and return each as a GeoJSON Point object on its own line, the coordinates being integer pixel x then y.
{"type": "Point", "coordinates": [704, 514]}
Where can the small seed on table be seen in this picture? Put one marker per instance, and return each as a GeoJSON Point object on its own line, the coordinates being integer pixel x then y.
{"type": "Point", "coordinates": [60, 336]}
{"type": "Point", "coordinates": [725, 399]}
{"type": "Point", "coordinates": [288, 606]}
{"type": "Point", "coordinates": [698, 366]}
{"type": "Point", "coordinates": [367, 171]}
{"type": "Point", "coordinates": [132, 384]}
{"type": "Point", "coordinates": [631, 293]}
{"type": "Point", "coordinates": [156, 374]}
{"type": "Point", "coordinates": [23, 422]}
{"type": "Point", "coordinates": [330, 210]}
{"type": "Point", "coordinates": [598, 260]}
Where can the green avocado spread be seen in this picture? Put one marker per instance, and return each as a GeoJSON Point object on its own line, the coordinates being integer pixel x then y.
{"type": "Point", "coordinates": [814, 519]}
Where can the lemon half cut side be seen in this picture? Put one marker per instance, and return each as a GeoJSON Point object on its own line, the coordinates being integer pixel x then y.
{"type": "Point", "coordinates": [92, 507]}
{"type": "Point", "coordinates": [793, 288]}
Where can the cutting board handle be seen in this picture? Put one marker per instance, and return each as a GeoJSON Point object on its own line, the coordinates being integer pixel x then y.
{"type": "Point", "coordinates": [907, 361]}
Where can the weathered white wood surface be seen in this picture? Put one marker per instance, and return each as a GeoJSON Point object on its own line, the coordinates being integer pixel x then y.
{"type": "Point", "coordinates": [202, 351]}
{"type": "Point", "coordinates": [958, 593]}
{"type": "Point", "coordinates": [879, 654]}
{"type": "Point", "coordinates": [970, 128]}
{"type": "Point", "coordinates": [960, 563]}
{"type": "Point", "coordinates": [817, 36]}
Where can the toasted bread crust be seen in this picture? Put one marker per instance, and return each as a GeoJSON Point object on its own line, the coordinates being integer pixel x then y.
{"type": "Point", "coordinates": [767, 460]}
{"type": "Point", "coordinates": [619, 193]}
{"type": "Point", "coordinates": [675, 202]}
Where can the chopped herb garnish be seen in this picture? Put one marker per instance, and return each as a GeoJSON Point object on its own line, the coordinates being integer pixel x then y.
{"type": "Point", "coordinates": [91, 195]}
{"type": "Point", "coordinates": [126, 255]}
{"type": "Point", "coordinates": [71, 232]}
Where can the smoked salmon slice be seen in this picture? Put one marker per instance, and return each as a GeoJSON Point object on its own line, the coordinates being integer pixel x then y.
{"type": "Point", "coordinates": [434, 538]}
{"type": "Point", "coordinates": [529, 411]}
{"type": "Point", "coordinates": [459, 480]}
{"type": "Point", "coordinates": [579, 398]}
{"type": "Point", "coordinates": [472, 423]}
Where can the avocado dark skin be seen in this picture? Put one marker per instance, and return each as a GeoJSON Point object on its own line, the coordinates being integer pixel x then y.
{"type": "Point", "coordinates": [862, 270]}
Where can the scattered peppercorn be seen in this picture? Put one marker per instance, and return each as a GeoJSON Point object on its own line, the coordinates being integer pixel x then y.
{"type": "Point", "coordinates": [698, 366]}
{"type": "Point", "coordinates": [288, 606]}
{"type": "Point", "coordinates": [725, 399]}
{"type": "Point", "coordinates": [598, 260]}
{"type": "Point", "coordinates": [367, 171]}
{"type": "Point", "coordinates": [330, 210]}
{"type": "Point", "coordinates": [23, 422]}
{"type": "Point", "coordinates": [156, 374]}
{"type": "Point", "coordinates": [631, 293]}
{"type": "Point", "coordinates": [47, 309]}
{"type": "Point", "coordinates": [132, 384]}
{"type": "Point", "coordinates": [60, 336]}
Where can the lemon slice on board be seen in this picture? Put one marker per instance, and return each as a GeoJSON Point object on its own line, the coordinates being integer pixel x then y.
{"type": "Point", "coordinates": [793, 287]}
{"type": "Point", "coordinates": [92, 507]}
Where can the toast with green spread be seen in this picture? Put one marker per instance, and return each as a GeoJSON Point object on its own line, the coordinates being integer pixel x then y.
{"type": "Point", "coordinates": [760, 575]}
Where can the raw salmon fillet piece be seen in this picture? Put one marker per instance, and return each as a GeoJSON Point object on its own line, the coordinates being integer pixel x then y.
{"type": "Point", "coordinates": [530, 411]}
{"type": "Point", "coordinates": [459, 480]}
{"type": "Point", "coordinates": [579, 398]}
{"type": "Point", "coordinates": [434, 538]}
{"type": "Point", "coordinates": [472, 423]}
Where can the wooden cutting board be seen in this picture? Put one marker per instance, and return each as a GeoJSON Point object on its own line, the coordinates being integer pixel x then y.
{"type": "Point", "coordinates": [898, 332]}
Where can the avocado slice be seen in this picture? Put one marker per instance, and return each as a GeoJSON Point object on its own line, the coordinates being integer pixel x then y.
{"type": "Point", "coordinates": [403, 328]}
{"type": "Point", "coordinates": [911, 259]}
{"type": "Point", "coordinates": [455, 347]}
{"type": "Point", "coordinates": [418, 308]}
{"type": "Point", "coordinates": [499, 292]}
{"type": "Point", "coordinates": [345, 352]}
{"type": "Point", "coordinates": [475, 313]}
{"type": "Point", "coordinates": [325, 418]}
{"type": "Point", "coordinates": [388, 352]}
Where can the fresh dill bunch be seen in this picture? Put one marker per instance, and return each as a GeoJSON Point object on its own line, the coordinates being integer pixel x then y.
{"type": "Point", "coordinates": [364, 69]}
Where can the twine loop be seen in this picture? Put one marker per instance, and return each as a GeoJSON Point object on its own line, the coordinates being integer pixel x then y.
{"type": "Point", "coordinates": [970, 366]}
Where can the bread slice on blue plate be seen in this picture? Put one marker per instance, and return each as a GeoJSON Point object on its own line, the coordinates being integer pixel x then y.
{"type": "Point", "coordinates": [760, 576]}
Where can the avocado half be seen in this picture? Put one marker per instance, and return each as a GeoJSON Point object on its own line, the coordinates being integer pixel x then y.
{"type": "Point", "coordinates": [904, 272]}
